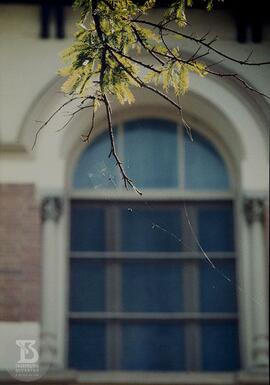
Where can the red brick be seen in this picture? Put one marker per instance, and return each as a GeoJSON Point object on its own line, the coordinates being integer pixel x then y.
{"type": "Point", "coordinates": [19, 253]}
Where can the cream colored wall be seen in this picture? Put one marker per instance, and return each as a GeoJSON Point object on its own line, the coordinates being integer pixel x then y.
{"type": "Point", "coordinates": [28, 64]}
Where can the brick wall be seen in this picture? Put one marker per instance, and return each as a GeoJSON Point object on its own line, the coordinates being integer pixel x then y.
{"type": "Point", "coordinates": [19, 253]}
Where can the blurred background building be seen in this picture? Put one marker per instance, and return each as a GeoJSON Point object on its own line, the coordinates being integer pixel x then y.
{"type": "Point", "coordinates": [170, 288]}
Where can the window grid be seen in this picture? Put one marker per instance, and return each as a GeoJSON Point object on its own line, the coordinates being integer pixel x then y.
{"type": "Point", "coordinates": [114, 316]}
{"type": "Point", "coordinates": [180, 161]}
{"type": "Point", "coordinates": [193, 316]}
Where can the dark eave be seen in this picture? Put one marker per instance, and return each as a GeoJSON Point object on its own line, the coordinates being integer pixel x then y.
{"type": "Point", "coordinates": [249, 19]}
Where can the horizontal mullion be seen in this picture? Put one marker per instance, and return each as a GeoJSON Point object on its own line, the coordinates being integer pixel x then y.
{"type": "Point", "coordinates": [107, 316]}
{"type": "Point", "coordinates": [148, 255]}
{"type": "Point", "coordinates": [153, 194]}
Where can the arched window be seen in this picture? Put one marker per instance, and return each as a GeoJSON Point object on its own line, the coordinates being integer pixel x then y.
{"type": "Point", "coordinates": [143, 294]}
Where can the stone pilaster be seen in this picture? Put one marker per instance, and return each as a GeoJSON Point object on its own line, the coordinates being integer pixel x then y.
{"type": "Point", "coordinates": [255, 212]}
{"type": "Point", "coordinates": [51, 212]}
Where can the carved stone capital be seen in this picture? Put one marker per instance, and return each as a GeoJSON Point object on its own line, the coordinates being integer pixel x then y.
{"type": "Point", "coordinates": [254, 210]}
{"type": "Point", "coordinates": [51, 208]}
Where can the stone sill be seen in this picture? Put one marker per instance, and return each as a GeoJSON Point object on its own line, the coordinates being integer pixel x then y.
{"type": "Point", "coordinates": [67, 377]}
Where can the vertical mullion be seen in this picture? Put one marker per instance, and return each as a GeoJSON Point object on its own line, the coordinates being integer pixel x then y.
{"type": "Point", "coordinates": [120, 151]}
{"type": "Point", "coordinates": [181, 156]}
{"type": "Point", "coordinates": [113, 287]}
{"type": "Point", "coordinates": [109, 246]}
{"type": "Point", "coordinates": [191, 292]}
{"type": "Point", "coordinates": [113, 271]}
{"type": "Point", "coordinates": [118, 288]}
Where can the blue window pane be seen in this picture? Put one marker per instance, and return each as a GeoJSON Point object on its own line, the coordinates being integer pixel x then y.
{"type": "Point", "coordinates": [217, 294]}
{"type": "Point", "coordinates": [94, 168]}
{"type": "Point", "coordinates": [151, 230]}
{"type": "Point", "coordinates": [153, 346]}
{"type": "Point", "coordinates": [87, 228]}
{"type": "Point", "coordinates": [150, 149]}
{"type": "Point", "coordinates": [204, 168]}
{"type": "Point", "coordinates": [152, 286]}
{"type": "Point", "coordinates": [87, 345]}
{"type": "Point", "coordinates": [215, 225]}
{"type": "Point", "coordinates": [87, 285]}
{"type": "Point", "coordinates": [220, 347]}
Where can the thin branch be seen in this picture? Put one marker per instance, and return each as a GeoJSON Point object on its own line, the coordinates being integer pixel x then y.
{"type": "Point", "coordinates": [239, 79]}
{"type": "Point", "coordinates": [145, 65]}
{"type": "Point", "coordinates": [140, 40]}
{"type": "Point", "coordinates": [205, 44]}
{"type": "Point", "coordinates": [183, 120]}
{"type": "Point", "coordinates": [86, 138]}
{"type": "Point", "coordinates": [127, 182]}
{"type": "Point", "coordinates": [72, 115]}
{"type": "Point", "coordinates": [44, 124]}
{"type": "Point", "coordinates": [49, 119]}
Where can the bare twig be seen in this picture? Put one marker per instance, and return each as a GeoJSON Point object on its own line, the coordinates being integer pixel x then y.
{"type": "Point", "coordinates": [239, 79]}
{"type": "Point", "coordinates": [141, 63]}
{"type": "Point", "coordinates": [202, 41]}
{"type": "Point", "coordinates": [72, 115]}
{"type": "Point", "coordinates": [127, 181]}
{"type": "Point", "coordinates": [86, 138]}
{"type": "Point", "coordinates": [44, 124]}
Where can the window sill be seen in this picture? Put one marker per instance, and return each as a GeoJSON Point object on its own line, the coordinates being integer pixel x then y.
{"type": "Point", "coordinates": [69, 377]}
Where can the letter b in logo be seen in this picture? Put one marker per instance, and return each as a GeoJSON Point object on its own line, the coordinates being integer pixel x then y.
{"type": "Point", "coordinates": [28, 354]}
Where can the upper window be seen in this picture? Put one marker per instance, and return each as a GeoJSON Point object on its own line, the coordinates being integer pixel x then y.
{"type": "Point", "coordinates": [143, 295]}
{"type": "Point", "coordinates": [157, 154]}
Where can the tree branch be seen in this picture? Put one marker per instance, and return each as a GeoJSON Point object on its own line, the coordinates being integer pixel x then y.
{"type": "Point", "coordinates": [127, 182]}
{"type": "Point", "coordinates": [202, 42]}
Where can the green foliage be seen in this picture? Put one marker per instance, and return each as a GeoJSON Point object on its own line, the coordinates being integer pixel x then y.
{"type": "Point", "coordinates": [102, 60]}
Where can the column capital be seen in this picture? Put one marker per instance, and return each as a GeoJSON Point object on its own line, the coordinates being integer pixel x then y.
{"type": "Point", "coordinates": [254, 209]}
{"type": "Point", "coordinates": [51, 208]}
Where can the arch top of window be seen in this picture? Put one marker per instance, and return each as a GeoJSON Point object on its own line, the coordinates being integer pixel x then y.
{"type": "Point", "coordinates": [157, 154]}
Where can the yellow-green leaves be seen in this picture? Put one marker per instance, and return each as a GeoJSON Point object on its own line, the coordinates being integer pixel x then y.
{"type": "Point", "coordinates": [72, 83]}
{"type": "Point", "coordinates": [209, 5]}
{"type": "Point", "coordinates": [175, 75]}
{"type": "Point", "coordinates": [176, 12]}
{"type": "Point", "coordinates": [147, 5]}
{"type": "Point", "coordinates": [101, 60]}
{"type": "Point", "coordinates": [123, 93]}
{"type": "Point", "coordinates": [198, 67]}
{"type": "Point", "coordinates": [182, 81]}
{"type": "Point", "coordinates": [147, 35]}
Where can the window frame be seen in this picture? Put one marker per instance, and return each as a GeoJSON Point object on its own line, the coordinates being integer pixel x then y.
{"type": "Point", "coordinates": [169, 195]}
